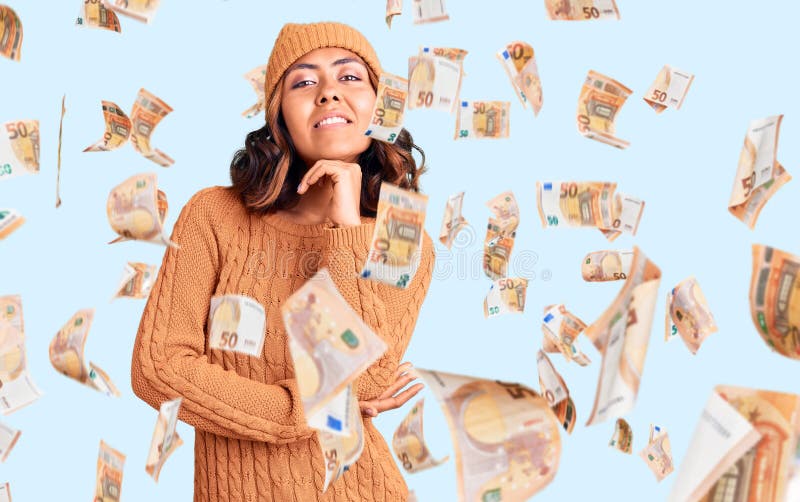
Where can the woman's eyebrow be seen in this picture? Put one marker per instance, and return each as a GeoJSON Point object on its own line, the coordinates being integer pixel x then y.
{"type": "Point", "coordinates": [309, 66]}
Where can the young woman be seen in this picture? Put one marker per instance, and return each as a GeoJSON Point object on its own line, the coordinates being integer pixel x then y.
{"type": "Point", "coordinates": [304, 196]}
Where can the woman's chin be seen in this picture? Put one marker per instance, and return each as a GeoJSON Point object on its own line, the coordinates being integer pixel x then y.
{"type": "Point", "coordinates": [337, 154]}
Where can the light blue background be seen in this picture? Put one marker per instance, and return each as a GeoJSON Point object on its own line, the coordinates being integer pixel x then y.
{"type": "Point", "coordinates": [193, 56]}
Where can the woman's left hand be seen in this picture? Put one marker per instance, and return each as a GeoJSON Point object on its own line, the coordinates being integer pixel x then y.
{"type": "Point", "coordinates": [388, 400]}
{"type": "Point", "coordinates": [345, 205]}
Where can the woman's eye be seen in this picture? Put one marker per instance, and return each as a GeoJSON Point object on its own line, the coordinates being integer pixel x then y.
{"type": "Point", "coordinates": [301, 84]}
{"type": "Point", "coordinates": [351, 77]}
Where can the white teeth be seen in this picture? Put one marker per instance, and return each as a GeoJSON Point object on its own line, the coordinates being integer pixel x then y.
{"type": "Point", "coordinates": [332, 120]}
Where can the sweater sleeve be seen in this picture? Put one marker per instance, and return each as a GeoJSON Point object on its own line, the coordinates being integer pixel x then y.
{"type": "Point", "coordinates": [169, 358]}
{"type": "Point", "coordinates": [390, 311]}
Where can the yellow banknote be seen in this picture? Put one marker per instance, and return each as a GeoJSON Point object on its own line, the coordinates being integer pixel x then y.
{"type": "Point", "coordinates": [60, 131]}
{"type": "Point", "coordinates": [601, 266]}
{"type": "Point", "coordinates": [256, 77]}
{"type": "Point", "coordinates": [429, 11]}
{"type": "Point", "coordinates": [744, 445]}
{"type": "Point", "coordinates": [148, 111]}
{"type": "Point", "coordinates": [389, 110]}
{"type": "Point", "coordinates": [669, 89]}
{"type": "Point", "coordinates": [17, 389]}
{"type": "Point", "coordinates": [19, 148]}
{"type": "Point", "coordinates": [519, 61]}
{"type": "Point", "coordinates": [396, 247]}
{"type": "Point", "coordinates": [409, 444]}
{"type": "Point", "coordinates": [505, 296]}
{"type": "Point", "coordinates": [759, 174]}
{"type": "Point", "coordinates": [482, 119]}
{"type": "Point", "coordinates": [136, 210]}
{"type": "Point", "coordinates": [165, 439]}
{"type": "Point", "coordinates": [434, 80]}
{"type": "Point", "coordinates": [588, 204]}
{"type": "Point", "coordinates": [330, 344]}
{"type": "Point", "coordinates": [95, 14]}
{"type": "Point", "coordinates": [688, 314]}
{"type": "Point", "coordinates": [340, 451]}
{"type": "Point", "coordinates": [393, 8]}
{"type": "Point", "coordinates": [622, 334]}
{"type": "Point", "coordinates": [110, 464]}
{"type": "Point", "coordinates": [8, 438]}
{"type": "Point", "coordinates": [140, 10]}
{"type": "Point", "coordinates": [237, 323]}
{"type": "Point", "coordinates": [622, 439]}
{"type": "Point", "coordinates": [658, 453]}
{"type": "Point", "coordinates": [561, 329]}
{"type": "Point", "coordinates": [505, 436]}
{"type": "Point", "coordinates": [67, 357]}
{"type": "Point", "coordinates": [137, 281]}
{"type": "Point", "coordinates": [10, 220]}
{"type": "Point", "coordinates": [775, 299]}
{"type": "Point", "coordinates": [581, 10]}
{"type": "Point", "coordinates": [453, 221]}
{"type": "Point", "coordinates": [600, 101]}
{"type": "Point", "coordinates": [10, 33]}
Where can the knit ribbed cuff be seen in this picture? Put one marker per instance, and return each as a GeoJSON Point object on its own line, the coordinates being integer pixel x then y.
{"type": "Point", "coordinates": [356, 237]}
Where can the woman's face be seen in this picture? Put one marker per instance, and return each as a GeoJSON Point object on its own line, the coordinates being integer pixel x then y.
{"type": "Point", "coordinates": [327, 105]}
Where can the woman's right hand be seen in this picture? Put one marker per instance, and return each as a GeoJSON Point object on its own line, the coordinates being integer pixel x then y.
{"type": "Point", "coordinates": [388, 400]}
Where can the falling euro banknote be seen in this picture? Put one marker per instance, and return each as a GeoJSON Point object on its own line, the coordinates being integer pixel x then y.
{"type": "Point", "coordinates": [519, 61]}
{"type": "Point", "coordinates": [409, 444]}
{"type": "Point", "coordinates": [622, 334]}
{"type": "Point", "coordinates": [395, 251]}
{"type": "Point", "coordinates": [588, 204]}
{"type": "Point", "coordinates": [669, 90]}
{"type": "Point", "coordinates": [136, 210]}
{"type": "Point", "coordinates": [759, 174]}
{"type": "Point", "coordinates": [17, 388]}
{"type": "Point", "coordinates": [745, 441]}
{"type": "Point", "coordinates": [67, 357]}
{"type": "Point", "coordinates": [148, 111]}
{"type": "Point", "coordinates": [599, 103]}
{"type": "Point", "coordinates": [581, 10]}
{"type": "Point", "coordinates": [775, 299]}
{"type": "Point", "coordinates": [19, 149]}
{"type": "Point", "coordinates": [688, 314]}
{"type": "Point", "coordinates": [505, 436]}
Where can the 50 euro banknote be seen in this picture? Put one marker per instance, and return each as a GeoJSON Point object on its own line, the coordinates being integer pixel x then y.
{"type": "Point", "coordinates": [581, 10]}
{"type": "Point", "coordinates": [388, 113]}
{"type": "Point", "coordinates": [483, 119]}
{"type": "Point", "coordinates": [330, 346]}
{"type": "Point", "coordinates": [745, 440]}
{"type": "Point", "coordinates": [434, 78]}
{"type": "Point", "coordinates": [67, 354]}
{"type": "Point", "coordinates": [501, 431]}
{"type": "Point", "coordinates": [136, 210]}
{"type": "Point", "coordinates": [395, 251]}
{"type": "Point", "coordinates": [588, 204]}
{"type": "Point", "coordinates": [19, 149]}
{"type": "Point", "coordinates": [775, 299]}
{"type": "Point", "coordinates": [622, 334]}
{"type": "Point", "coordinates": [600, 101]}
{"type": "Point", "coordinates": [519, 61]}
{"type": "Point", "coordinates": [759, 174]}
{"type": "Point", "coordinates": [18, 388]}
{"type": "Point", "coordinates": [408, 442]}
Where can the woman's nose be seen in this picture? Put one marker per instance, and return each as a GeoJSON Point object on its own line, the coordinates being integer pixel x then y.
{"type": "Point", "coordinates": [327, 92]}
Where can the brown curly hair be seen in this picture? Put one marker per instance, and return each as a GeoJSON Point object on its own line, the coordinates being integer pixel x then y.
{"type": "Point", "coordinates": [267, 170]}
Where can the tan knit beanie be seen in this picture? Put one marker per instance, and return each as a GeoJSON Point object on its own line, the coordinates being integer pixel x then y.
{"type": "Point", "coordinates": [296, 40]}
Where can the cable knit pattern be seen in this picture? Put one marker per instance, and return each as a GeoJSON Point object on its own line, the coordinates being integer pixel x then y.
{"type": "Point", "coordinates": [252, 442]}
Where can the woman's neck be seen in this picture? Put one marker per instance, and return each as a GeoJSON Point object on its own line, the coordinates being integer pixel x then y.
{"type": "Point", "coordinates": [313, 205]}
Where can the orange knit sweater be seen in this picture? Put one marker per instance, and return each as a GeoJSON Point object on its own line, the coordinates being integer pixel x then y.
{"type": "Point", "coordinates": [252, 442]}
